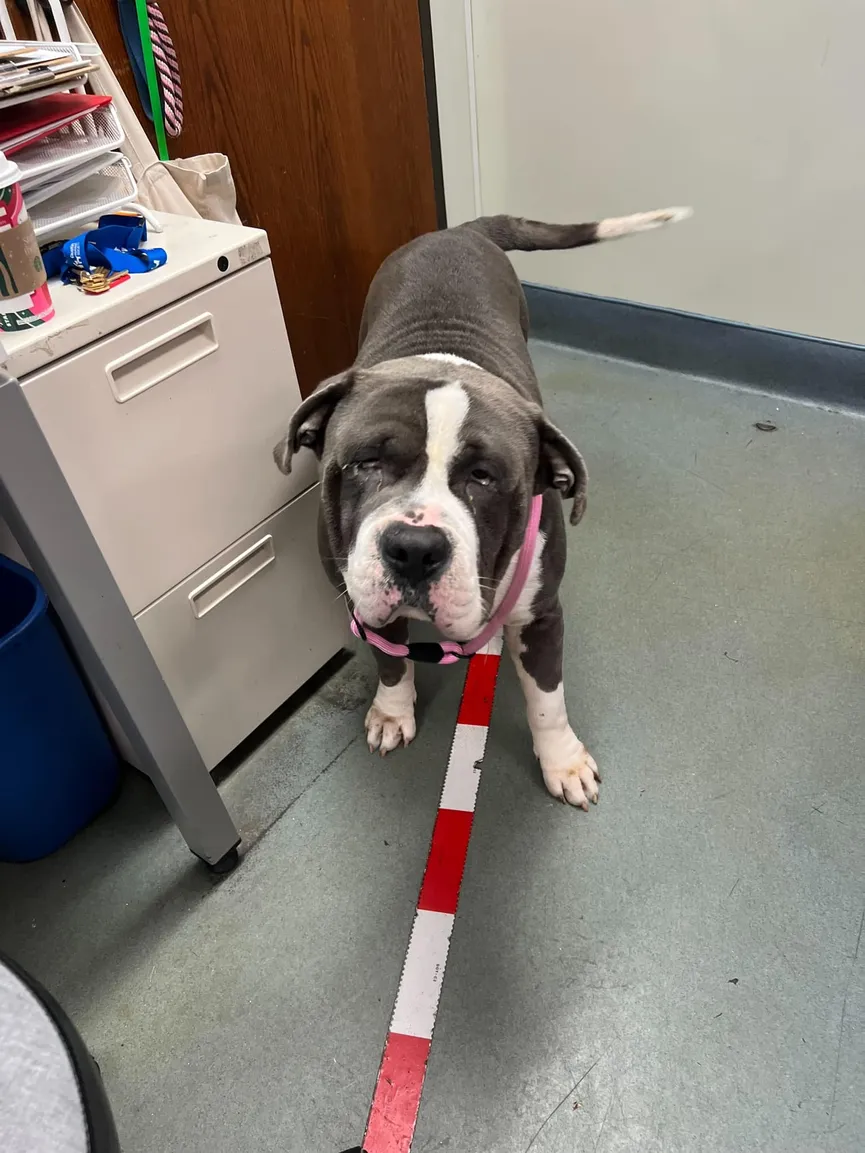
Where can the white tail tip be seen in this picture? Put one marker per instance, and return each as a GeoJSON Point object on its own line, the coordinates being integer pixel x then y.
{"type": "Point", "coordinates": [616, 226]}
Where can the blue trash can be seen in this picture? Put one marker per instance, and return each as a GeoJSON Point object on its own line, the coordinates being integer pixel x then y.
{"type": "Point", "coordinates": [58, 768]}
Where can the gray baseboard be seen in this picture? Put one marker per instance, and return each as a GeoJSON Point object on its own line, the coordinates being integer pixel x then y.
{"type": "Point", "coordinates": [823, 371]}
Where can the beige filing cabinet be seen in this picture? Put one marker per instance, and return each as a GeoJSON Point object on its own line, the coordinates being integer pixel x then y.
{"type": "Point", "coordinates": [161, 401]}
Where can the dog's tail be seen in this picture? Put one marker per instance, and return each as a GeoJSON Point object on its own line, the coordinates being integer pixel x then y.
{"type": "Point", "coordinates": [514, 232]}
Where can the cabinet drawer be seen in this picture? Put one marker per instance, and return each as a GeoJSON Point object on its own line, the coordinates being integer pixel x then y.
{"type": "Point", "coordinates": [165, 430]}
{"type": "Point", "coordinates": [239, 636]}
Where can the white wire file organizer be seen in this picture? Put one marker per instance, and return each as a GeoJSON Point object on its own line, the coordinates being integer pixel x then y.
{"type": "Point", "coordinates": [93, 135]}
{"type": "Point", "coordinates": [111, 187]}
{"type": "Point", "coordinates": [76, 174]}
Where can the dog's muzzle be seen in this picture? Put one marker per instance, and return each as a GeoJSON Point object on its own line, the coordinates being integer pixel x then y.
{"type": "Point", "coordinates": [424, 551]}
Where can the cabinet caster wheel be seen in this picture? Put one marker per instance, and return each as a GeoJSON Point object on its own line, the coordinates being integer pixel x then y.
{"type": "Point", "coordinates": [225, 864]}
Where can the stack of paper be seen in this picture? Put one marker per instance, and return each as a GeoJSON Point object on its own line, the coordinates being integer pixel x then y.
{"type": "Point", "coordinates": [25, 70]}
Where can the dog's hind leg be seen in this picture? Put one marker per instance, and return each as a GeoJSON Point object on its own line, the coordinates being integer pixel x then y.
{"type": "Point", "coordinates": [390, 721]}
{"type": "Point", "coordinates": [570, 773]}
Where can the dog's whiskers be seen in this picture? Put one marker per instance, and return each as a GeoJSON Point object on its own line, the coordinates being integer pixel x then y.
{"type": "Point", "coordinates": [344, 598]}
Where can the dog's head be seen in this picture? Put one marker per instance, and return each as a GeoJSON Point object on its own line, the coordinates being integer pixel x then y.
{"type": "Point", "coordinates": [428, 471]}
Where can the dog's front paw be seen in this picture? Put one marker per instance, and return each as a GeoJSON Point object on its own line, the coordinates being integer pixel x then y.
{"type": "Point", "coordinates": [385, 732]}
{"type": "Point", "coordinates": [570, 772]}
{"type": "Point", "coordinates": [390, 721]}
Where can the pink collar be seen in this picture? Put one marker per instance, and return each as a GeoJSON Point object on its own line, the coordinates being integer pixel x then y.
{"type": "Point", "coordinates": [449, 652]}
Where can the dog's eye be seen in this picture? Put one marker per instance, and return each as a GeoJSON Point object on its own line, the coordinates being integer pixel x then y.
{"type": "Point", "coordinates": [366, 464]}
{"type": "Point", "coordinates": [481, 476]}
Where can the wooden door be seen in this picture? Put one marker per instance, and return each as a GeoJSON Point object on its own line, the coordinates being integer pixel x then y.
{"type": "Point", "coordinates": [321, 107]}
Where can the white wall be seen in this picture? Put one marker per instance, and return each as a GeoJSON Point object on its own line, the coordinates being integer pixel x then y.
{"type": "Point", "coordinates": [752, 112]}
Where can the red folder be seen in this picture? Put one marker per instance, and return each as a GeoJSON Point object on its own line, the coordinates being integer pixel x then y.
{"type": "Point", "coordinates": [21, 124]}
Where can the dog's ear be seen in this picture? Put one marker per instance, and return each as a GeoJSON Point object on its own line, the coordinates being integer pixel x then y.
{"type": "Point", "coordinates": [561, 466]}
{"type": "Point", "coordinates": [307, 427]}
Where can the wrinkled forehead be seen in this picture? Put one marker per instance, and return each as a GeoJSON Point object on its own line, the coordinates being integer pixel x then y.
{"type": "Point", "coordinates": [478, 409]}
{"type": "Point", "coordinates": [381, 409]}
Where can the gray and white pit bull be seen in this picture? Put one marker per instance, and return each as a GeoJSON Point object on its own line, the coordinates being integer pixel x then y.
{"type": "Point", "coordinates": [432, 446]}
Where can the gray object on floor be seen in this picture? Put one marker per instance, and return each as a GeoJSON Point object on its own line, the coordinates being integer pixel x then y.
{"type": "Point", "coordinates": [52, 1099]}
{"type": "Point", "coordinates": [683, 963]}
{"type": "Point", "coordinates": [38, 505]}
{"type": "Point", "coordinates": [40, 1106]}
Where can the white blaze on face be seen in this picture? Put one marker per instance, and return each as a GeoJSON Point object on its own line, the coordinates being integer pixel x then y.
{"type": "Point", "coordinates": [455, 597]}
{"type": "Point", "coordinates": [446, 411]}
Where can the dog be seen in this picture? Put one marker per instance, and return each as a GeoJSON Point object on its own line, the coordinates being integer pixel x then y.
{"type": "Point", "coordinates": [432, 446]}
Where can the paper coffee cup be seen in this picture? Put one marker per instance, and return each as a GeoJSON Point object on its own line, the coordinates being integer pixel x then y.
{"type": "Point", "coordinates": [25, 301]}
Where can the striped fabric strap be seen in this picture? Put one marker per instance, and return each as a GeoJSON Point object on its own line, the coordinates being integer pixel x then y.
{"type": "Point", "coordinates": [396, 1102]}
{"type": "Point", "coordinates": [167, 69]}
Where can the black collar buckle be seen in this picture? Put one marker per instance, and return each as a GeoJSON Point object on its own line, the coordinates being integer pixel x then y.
{"type": "Point", "coordinates": [429, 652]}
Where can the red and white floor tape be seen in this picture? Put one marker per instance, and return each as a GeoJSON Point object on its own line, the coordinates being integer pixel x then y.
{"type": "Point", "coordinates": [399, 1085]}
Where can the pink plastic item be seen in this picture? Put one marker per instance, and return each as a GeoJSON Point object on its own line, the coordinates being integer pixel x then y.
{"type": "Point", "coordinates": [25, 301]}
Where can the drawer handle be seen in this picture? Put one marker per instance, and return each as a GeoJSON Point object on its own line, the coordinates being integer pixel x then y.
{"type": "Point", "coordinates": [156, 361]}
{"type": "Point", "coordinates": [230, 578]}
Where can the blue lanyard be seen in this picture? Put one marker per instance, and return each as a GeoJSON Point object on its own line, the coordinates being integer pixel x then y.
{"type": "Point", "coordinates": [114, 244]}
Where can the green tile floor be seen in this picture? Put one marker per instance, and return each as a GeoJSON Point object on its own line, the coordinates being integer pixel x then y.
{"type": "Point", "coordinates": [683, 963]}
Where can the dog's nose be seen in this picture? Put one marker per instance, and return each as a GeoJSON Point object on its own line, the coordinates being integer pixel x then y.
{"type": "Point", "coordinates": [415, 553]}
